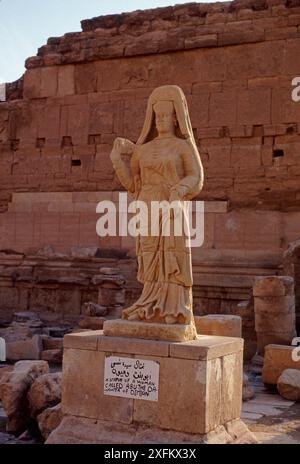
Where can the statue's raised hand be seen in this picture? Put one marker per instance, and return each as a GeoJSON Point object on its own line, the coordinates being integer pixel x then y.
{"type": "Point", "coordinates": [121, 147]}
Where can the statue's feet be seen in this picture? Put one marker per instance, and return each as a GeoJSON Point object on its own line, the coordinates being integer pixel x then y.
{"type": "Point", "coordinates": [170, 320]}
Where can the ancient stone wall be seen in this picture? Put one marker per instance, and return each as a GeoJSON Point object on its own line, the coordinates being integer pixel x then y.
{"type": "Point", "coordinates": [235, 62]}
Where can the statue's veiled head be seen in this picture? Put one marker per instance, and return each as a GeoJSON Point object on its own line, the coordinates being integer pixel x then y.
{"type": "Point", "coordinates": [167, 111]}
{"type": "Point", "coordinates": [165, 117]}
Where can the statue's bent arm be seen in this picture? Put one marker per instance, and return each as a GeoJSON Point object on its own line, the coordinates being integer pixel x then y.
{"type": "Point", "coordinates": [126, 175]}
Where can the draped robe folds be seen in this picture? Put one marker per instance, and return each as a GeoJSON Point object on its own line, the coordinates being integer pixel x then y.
{"type": "Point", "coordinates": [164, 261]}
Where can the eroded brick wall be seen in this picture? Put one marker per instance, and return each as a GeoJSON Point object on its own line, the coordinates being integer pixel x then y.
{"type": "Point", "coordinates": [235, 62]}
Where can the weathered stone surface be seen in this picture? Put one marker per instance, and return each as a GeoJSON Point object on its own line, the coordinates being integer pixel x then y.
{"type": "Point", "coordinates": [273, 286]}
{"type": "Point", "coordinates": [14, 387]}
{"type": "Point", "coordinates": [274, 307]}
{"type": "Point", "coordinates": [16, 332]}
{"type": "Point", "coordinates": [52, 343]}
{"type": "Point", "coordinates": [248, 393]}
{"type": "Point", "coordinates": [44, 393]}
{"type": "Point", "coordinates": [248, 390]}
{"type": "Point", "coordinates": [110, 271]}
{"type": "Point", "coordinates": [219, 324]}
{"type": "Point", "coordinates": [57, 332]}
{"type": "Point", "coordinates": [4, 370]}
{"type": "Point", "coordinates": [49, 420]}
{"type": "Point", "coordinates": [277, 359]}
{"type": "Point", "coordinates": [149, 331]}
{"type": "Point", "coordinates": [84, 252]}
{"type": "Point", "coordinates": [52, 356]}
{"type": "Point", "coordinates": [29, 349]}
{"type": "Point", "coordinates": [93, 309]}
{"type": "Point", "coordinates": [92, 323]}
{"type": "Point", "coordinates": [288, 384]}
{"type": "Point", "coordinates": [86, 340]}
{"type": "Point", "coordinates": [213, 385]}
{"type": "Point", "coordinates": [86, 368]}
{"type": "Point", "coordinates": [110, 295]}
{"type": "Point", "coordinates": [231, 97]}
{"type": "Point", "coordinates": [26, 316]}
{"type": "Point", "coordinates": [83, 430]}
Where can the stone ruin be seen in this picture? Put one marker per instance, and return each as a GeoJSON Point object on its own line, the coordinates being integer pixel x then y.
{"type": "Point", "coordinates": [57, 127]}
{"type": "Point", "coordinates": [83, 89]}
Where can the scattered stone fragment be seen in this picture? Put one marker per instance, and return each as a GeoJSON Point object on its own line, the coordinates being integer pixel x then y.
{"type": "Point", "coordinates": [84, 252]}
{"type": "Point", "coordinates": [49, 420]}
{"type": "Point", "coordinates": [14, 387]}
{"type": "Point", "coordinates": [288, 384]}
{"type": "Point", "coordinates": [93, 309]}
{"type": "Point", "coordinates": [52, 356]}
{"type": "Point", "coordinates": [44, 393]}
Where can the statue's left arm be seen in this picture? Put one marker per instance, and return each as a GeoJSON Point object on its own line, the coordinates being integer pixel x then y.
{"type": "Point", "coordinates": [191, 185]}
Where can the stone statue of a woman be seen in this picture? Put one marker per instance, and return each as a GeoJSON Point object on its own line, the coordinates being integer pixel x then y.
{"type": "Point", "coordinates": [165, 166]}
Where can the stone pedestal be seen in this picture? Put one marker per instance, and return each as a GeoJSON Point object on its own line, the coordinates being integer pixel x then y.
{"type": "Point", "coordinates": [274, 307]}
{"type": "Point", "coordinates": [199, 392]}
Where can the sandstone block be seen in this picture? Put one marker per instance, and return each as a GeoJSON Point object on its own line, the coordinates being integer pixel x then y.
{"type": "Point", "coordinates": [52, 343]}
{"type": "Point", "coordinates": [277, 323]}
{"type": "Point", "coordinates": [52, 356]}
{"type": "Point", "coordinates": [14, 387]}
{"type": "Point", "coordinates": [223, 325]}
{"type": "Point", "coordinates": [273, 286]}
{"type": "Point", "coordinates": [277, 359]}
{"type": "Point", "coordinates": [49, 76]}
{"type": "Point", "coordinates": [288, 384]}
{"type": "Point", "coordinates": [87, 340]}
{"type": "Point", "coordinates": [29, 349]}
{"type": "Point", "coordinates": [248, 393]}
